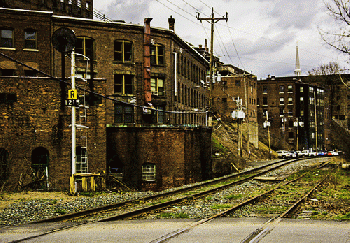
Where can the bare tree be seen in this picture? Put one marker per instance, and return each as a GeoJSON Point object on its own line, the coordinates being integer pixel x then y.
{"type": "Point", "coordinates": [326, 69]}
{"type": "Point", "coordinates": [339, 38]}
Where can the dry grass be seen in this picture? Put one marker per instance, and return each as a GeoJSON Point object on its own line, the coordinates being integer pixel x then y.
{"type": "Point", "coordinates": [9, 198]}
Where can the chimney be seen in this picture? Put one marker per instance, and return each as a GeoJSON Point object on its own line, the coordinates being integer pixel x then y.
{"type": "Point", "coordinates": [147, 60]}
{"type": "Point", "coordinates": [206, 45]}
{"type": "Point", "coordinates": [171, 21]}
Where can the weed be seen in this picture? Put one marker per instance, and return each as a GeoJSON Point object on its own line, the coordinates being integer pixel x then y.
{"type": "Point", "coordinates": [181, 216]}
{"type": "Point", "coordinates": [166, 215]}
{"type": "Point", "coordinates": [221, 206]}
{"type": "Point", "coordinates": [60, 211]}
{"type": "Point", "coordinates": [234, 196]}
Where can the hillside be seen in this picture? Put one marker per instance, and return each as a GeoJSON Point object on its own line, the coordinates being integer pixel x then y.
{"type": "Point", "coordinates": [225, 149]}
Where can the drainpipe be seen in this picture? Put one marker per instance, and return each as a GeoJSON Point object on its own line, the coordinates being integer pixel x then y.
{"type": "Point", "coordinates": [147, 60]}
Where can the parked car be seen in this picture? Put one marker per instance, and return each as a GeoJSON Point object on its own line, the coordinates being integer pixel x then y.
{"type": "Point", "coordinates": [321, 153]}
{"type": "Point", "coordinates": [294, 154]}
{"type": "Point", "coordinates": [283, 154]}
{"type": "Point", "coordinates": [312, 153]}
{"type": "Point", "coordinates": [332, 153]}
{"type": "Point", "coordinates": [303, 153]}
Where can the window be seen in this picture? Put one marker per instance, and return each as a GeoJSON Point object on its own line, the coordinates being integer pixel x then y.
{"type": "Point", "coordinates": [281, 101]}
{"type": "Point", "coordinates": [84, 46]}
{"type": "Point", "coordinates": [238, 82]}
{"type": "Point", "coordinates": [157, 54]}
{"type": "Point", "coordinates": [7, 72]}
{"type": "Point", "coordinates": [30, 73]}
{"type": "Point", "coordinates": [8, 98]}
{"type": "Point", "coordinates": [123, 113]}
{"type": "Point", "coordinates": [82, 160]}
{"type": "Point", "coordinates": [281, 88]}
{"type": "Point", "coordinates": [281, 111]}
{"type": "Point", "coordinates": [291, 135]}
{"type": "Point", "coordinates": [148, 172]}
{"type": "Point", "coordinates": [159, 117]}
{"type": "Point", "coordinates": [6, 38]}
{"type": "Point", "coordinates": [30, 39]}
{"type": "Point", "coordinates": [123, 51]}
{"type": "Point", "coordinates": [4, 170]}
{"type": "Point", "coordinates": [301, 89]}
{"type": "Point", "coordinates": [123, 84]}
{"type": "Point", "coordinates": [264, 89]}
{"type": "Point", "coordinates": [290, 88]}
{"type": "Point", "coordinates": [157, 86]}
{"type": "Point", "coordinates": [290, 101]}
{"type": "Point", "coordinates": [264, 100]}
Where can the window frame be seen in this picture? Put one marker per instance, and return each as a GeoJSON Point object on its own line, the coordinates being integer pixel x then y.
{"type": "Point", "coordinates": [155, 56]}
{"type": "Point", "coordinates": [148, 172]}
{"type": "Point", "coordinates": [126, 84]}
{"type": "Point", "coordinates": [84, 48]}
{"type": "Point", "coordinates": [82, 160]}
{"type": "Point", "coordinates": [26, 40]}
{"type": "Point", "coordinates": [155, 86]}
{"type": "Point", "coordinates": [3, 40]}
{"type": "Point", "coordinates": [125, 115]}
{"type": "Point", "coordinates": [123, 52]}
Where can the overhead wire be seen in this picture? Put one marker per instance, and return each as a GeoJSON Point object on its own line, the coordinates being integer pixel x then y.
{"type": "Point", "coordinates": [98, 94]}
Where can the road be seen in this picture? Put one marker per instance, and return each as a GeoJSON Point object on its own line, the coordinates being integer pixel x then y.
{"type": "Point", "coordinates": [218, 230]}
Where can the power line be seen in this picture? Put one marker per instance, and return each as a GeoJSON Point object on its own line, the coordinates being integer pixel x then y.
{"type": "Point", "coordinates": [95, 93]}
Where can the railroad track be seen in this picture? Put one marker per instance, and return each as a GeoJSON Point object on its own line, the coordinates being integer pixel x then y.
{"type": "Point", "coordinates": [133, 208]}
{"type": "Point", "coordinates": [160, 201]}
{"type": "Point", "coordinates": [261, 232]}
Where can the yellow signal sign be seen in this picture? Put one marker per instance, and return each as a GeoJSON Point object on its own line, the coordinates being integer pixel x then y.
{"type": "Point", "coordinates": [72, 94]}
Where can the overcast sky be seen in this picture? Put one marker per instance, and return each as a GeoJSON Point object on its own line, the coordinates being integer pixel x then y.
{"type": "Point", "coordinates": [259, 37]}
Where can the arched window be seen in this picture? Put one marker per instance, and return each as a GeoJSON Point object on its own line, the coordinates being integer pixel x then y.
{"type": "Point", "coordinates": [148, 172]}
{"type": "Point", "coordinates": [40, 163]}
{"type": "Point", "coordinates": [4, 166]}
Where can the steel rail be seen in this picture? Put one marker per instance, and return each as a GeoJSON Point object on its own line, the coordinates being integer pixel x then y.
{"type": "Point", "coordinates": [238, 206]}
{"type": "Point", "coordinates": [162, 205]}
{"type": "Point", "coordinates": [115, 206]}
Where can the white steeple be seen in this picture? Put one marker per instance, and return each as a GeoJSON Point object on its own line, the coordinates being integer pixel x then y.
{"type": "Point", "coordinates": [297, 70]}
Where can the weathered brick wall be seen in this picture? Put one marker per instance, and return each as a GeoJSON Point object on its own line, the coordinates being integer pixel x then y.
{"type": "Point", "coordinates": [34, 120]}
{"type": "Point", "coordinates": [181, 155]}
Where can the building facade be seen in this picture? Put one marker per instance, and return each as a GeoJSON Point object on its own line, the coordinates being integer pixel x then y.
{"type": "Point", "coordinates": [295, 111]}
{"type": "Point", "coordinates": [127, 76]}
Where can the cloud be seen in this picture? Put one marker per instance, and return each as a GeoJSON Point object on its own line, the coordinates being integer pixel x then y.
{"type": "Point", "coordinates": [131, 10]}
{"type": "Point", "coordinates": [297, 14]}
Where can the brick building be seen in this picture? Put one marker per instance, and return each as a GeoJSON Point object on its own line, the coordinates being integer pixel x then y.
{"type": "Point", "coordinates": [237, 90]}
{"type": "Point", "coordinates": [295, 110]}
{"type": "Point", "coordinates": [75, 8]}
{"type": "Point", "coordinates": [145, 77]}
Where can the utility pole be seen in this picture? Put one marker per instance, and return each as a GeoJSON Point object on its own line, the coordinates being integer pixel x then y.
{"type": "Point", "coordinates": [212, 21]}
